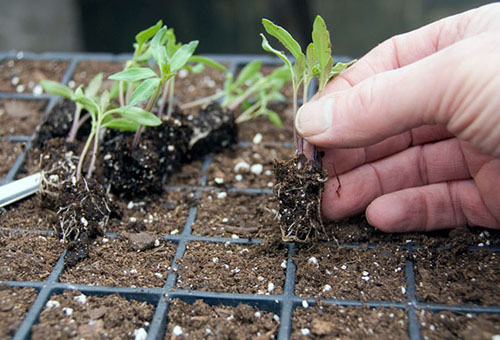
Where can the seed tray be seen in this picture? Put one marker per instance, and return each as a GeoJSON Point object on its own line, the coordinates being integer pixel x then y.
{"type": "Point", "coordinates": [282, 305]}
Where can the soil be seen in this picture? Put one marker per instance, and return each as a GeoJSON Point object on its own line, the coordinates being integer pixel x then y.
{"type": "Point", "coordinates": [28, 73]}
{"type": "Point", "coordinates": [27, 214]}
{"type": "Point", "coordinates": [298, 189]}
{"type": "Point", "coordinates": [202, 321]}
{"type": "Point", "coordinates": [456, 276]}
{"type": "Point", "coordinates": [234, 214]}
{"type": "Point", "coordinates": [9, 151]}
{"type": "Point", "coordinates": [189, 86]}
{"type": "Point", "coordinates": [223, 267]}
{"type": "Point", "coordinates": [28, 256]}
{"type": "Point", "coordinates": [14, 304]}
{"type": "Point", "coordinates": [233, 168]}
{"type": "Point", "coordinates": [72, 315]}
{"type": "Point", "coordinates": [448, 325]}
{"type": "Point", "coordinates": [337, 322]}
{"type": "Point", "coordinates": [114, 262]}
{"type": "Point", "coordinates": [86, 70]}
{"type": "Point", "coordinates": [20, 117]}
{"type": "Point", "coordinates": [351, 273]}
{"type": "Point", "coordinates": [165, 213]}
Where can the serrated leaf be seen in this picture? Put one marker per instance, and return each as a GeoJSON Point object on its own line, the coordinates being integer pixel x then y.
{"type": "Point", "coordinates": [207, 61]}
{"type": "Point", "coordinates": [311, 58]}
{"type": "Point", "coordinates": [53, 87]}
{"type": "Point", "coordinates": [274, 118]}
{"type": "Point", "coordinates": [248, 71]}
{"type": "Point", "coordinates": [94, 86]}
{"type": "Point", "coordinates": [121, 124]}
{"type": "Point", "coordinates": [144, 91]}
{"type": "Point", "coordinates": [182, 55]}
{"type": "Point", "coordinates": [138, 115]}
{"type": "Point", "coordinates": [146, 34]}
{"type": "Point", "coordinates": [134, 74]}
{"type": "Point", "coordinates": [157, 49]}
{"type": "Point", "coordinates": [283, 36]}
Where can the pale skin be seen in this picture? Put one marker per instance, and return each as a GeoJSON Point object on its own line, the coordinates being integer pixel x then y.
{"type": "Point", "coordinates": [413, 128]}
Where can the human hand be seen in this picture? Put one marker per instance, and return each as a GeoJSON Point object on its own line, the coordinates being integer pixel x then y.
{"type": "Point", "coordinates": [413, 128]}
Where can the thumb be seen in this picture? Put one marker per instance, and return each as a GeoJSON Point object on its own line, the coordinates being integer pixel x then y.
{"type": "Point", "coordinates": [455, 87]}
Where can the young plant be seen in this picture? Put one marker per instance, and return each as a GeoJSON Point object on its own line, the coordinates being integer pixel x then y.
{"type": "Point", "coordinates": [90, 91]}
{"type": "Point", "coordinates": [252, 91]}
{"type": "Point", "coordinates": [169, 56]}
{"type": "Point", "coordinates": [316, 62]}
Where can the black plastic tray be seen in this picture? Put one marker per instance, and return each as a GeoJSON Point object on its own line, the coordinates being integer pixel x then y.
{"type": "Point", "coordinates": [282, 305]}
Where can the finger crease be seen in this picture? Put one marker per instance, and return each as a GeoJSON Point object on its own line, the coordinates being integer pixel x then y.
{"type": "Point", "coordinates": [458, 213]}
{"type": "Point", "coordinates": [422, 165]}
{"type": "Point", "coordinates": [379, 181]}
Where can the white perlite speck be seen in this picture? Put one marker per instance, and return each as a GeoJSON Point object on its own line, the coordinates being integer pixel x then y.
{"type": "Point", "coordinates": [219, 180]}
{"type": "Point", "coordinates": [183, 73]}
{"type": "Point", "coordinates": [313, 260]}
{"type": "Point", "coordinates": [257, 169]}
{"type": "Point", "coordinates": [84, 221]}
{"type": "Point", "coordinates": [403, 290]}
{"type": "Point", "coordinates": [365, 273]}
{"type": "Point", "coordinates": [81, 298]}
{"type": "Point", "coordinates": [344, 267]}
{"type": "Point", "coordinates": [327, 288]}
{"type": "Point", "coordinates": [221, 195]}
{"type": "Point", "coordinates": [157, 243]}
{"type": "Point", "coordinates": [495, 337]}
{"type": "Point", "coordinates": [257, 139]}
{"type": "Point", "coordinates": [238, 177]}
{"type": "Point", "coordinates": [20, 88]}
{"type": "Point", "coordinates": [270, 287]}
{"type": "Point", "coordinates": [68, 311]}
{"type": "Point", "coordinates": [305, 304]}
{"type": "Point", "coordinates": [158, 275]}
{"type": "Point", "coordinates": [283, 264]}
{"type": "Point", "coordinates": [37, 90]}
{"type": "Point", "coordinates": [241, 167]}
{"type": "Point", "coordinates": [305, 331]}
{"type": "Point", "coordinates": [257, 314]}
{"type": "Point", "coordinates": [140, 334]}
{"type": "Point", "coordinates": [52, 304]}
{"type": "Point", "coordinates": [177, 330]}
{"type": "Point", "coordinates": [15, 80]}
{"type": "Point", "coordinates": [235, 237]}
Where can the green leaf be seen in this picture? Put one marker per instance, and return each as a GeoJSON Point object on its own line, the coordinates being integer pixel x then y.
{"type": "Point", "coordinates": [248, 71]}
{"type": "Point", "coordinates": [121, 124]}
{"type": "Point", "coordinates": [182, 55]}
{"type": "Point", "coordinates": [88, 103]}
{"type": "Point", "coordinates": [207, 61]}
{"type": "Point", "coordinates": [300, 65]}
{"type": "Point", "coordinates": [104, 101]}
{"type": "Point", "coordinates": [197, 68]}
{"type": "Point", "coordinates": [114, 90]}
{"type": "Point", "coordinates": [322, 44]}
{"type": "Point", "coordinates": [146, 34]}
{"type": "Point", "coordinates": [274, 118]}
{"type": "Point", "coordinates": [157, 49]}
{"type": "Point", "coordinates": [267, 47]}
{"type": "Point", "coordinates": [134, 74]}
{"type": "Point", "coordinates": [283, 36]}
{"type": "Point", "coordinates": [136, 114]}
{"type": "Point", "coordinates": [53, 87]}
{"type": "Point", "coordinates": [144, 91]}
{"type": "Point", "coordinates": [171, 42]}
{"type": "Point", "coordinates": [339, 67]}
{"type": "Point", "coordinates": [94, 86]}
{"type": "Point", "coordinates": [311, 58]}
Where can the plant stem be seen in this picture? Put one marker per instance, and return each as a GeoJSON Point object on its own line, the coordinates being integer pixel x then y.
{"type": "Point", "coordinates": [83, 154]}
{"type": "Point", "coordinates": [171, 87]}
{"type": "Point", "coordinates": [149, 106]}
{"type": "Point", "coordinates": [202, 101]}
{"type": "Point", "coordinates": [95, 151]}
{"type": "Point", "coordinates": [120, 90]}
{"type": "Point", "coordinates": [75, 126]}
{"type": "Point", "coordinates": [163, 100]}
{"type": "Point", "coordinates": [78, 126]}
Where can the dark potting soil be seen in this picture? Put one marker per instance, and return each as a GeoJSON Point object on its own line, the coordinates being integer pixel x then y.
{"type": "Point", "coordinates": [72, 315]}
{"type": "Point", "coordinates": [236, 214]}
{"type": "Point", "coordinates": [14, 304]}
{"type": "Point", "coordinates": [448, 325]}
{"type": "Point", "coordinates": [20, 117]}
{"type": "Point", "coordinates": [222, 267]}
{"type": "Point", "coordinates": [116, 262]}
{"type": "Point", "coordinates": [202, 321]}
{"type": "Point", "coordinates": [337, 322]}
{"type": "Point", "coordinates": [27, 214]}
{"type": "Point", "coordinates": [165, 213]}
{"type": "Point", "coordinates": [28, 256]}
{"type": "Point", "coordinates": [457, 276]}
{"type": "Point", "coordinates": [248, 166]}
{"type": "Point", "coordinates": [28, 73]}
{"type": "Point", "coordinates": [351, 274]}
{"type": "Point", "coordinates": [9, 151]}
{"type": "Point", "coordinates": [298, 189]}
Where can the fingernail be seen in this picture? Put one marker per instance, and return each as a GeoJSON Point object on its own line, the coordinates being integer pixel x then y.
{"type": "Point", "coordinates": [314, 117]}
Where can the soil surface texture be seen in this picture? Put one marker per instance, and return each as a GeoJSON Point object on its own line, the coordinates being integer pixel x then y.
{"type": "Point", "coordinates": [73, 315]}
{"type": "Point", "coordinates": [14, 304]}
